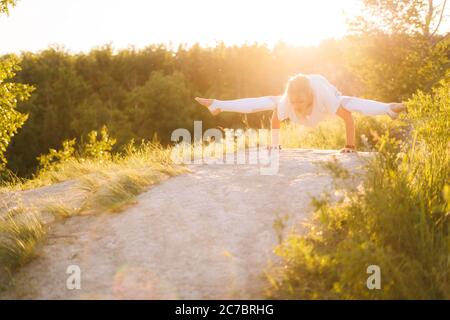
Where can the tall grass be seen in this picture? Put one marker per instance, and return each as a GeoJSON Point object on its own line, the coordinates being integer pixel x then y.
{"type": "Point", "coordinates": [399, 220]}
{"type": "Point", "coordinates": [20, 233]}
{"type": "Point", "coordinates": [330, 134]}
{"type": "Point", "coordinates": [147, 155]}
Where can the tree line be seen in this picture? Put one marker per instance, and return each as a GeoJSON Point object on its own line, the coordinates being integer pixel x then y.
{"type": "Point", "coordinates": [138, 94]}
{"type": "Point", "coordinates": [146, 93]}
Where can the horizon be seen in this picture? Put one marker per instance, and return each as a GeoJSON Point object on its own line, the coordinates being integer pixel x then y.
{"type": "Point", "coordinates": [38, 26]}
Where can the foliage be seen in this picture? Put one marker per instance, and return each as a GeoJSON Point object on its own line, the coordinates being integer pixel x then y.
{"type": "Point", "coordinates": [57, 156]}
{"type": "Point", "coordinates": [431, 114]}
{"type": "Point", "coordinates": [422, 17]}
{"type": "Point", "coordinates": [398, 48]}
{"type": "Point", "coordinates": [6, 4]}
{"type": "Point", "coordinates": [10, 119]}
{"type": "Point", "coordinates": [98, 148]}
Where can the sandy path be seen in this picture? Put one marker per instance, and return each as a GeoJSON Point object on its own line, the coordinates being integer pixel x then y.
{"type": "Point", "coordinates": [204, 235]}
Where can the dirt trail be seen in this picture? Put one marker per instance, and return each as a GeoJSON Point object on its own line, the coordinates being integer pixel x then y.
{"type": "Point", "coordinates": [204, 235]}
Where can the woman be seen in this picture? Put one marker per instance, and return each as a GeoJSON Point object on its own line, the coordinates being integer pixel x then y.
{"type": "Point", "coordinates": [308, 99]}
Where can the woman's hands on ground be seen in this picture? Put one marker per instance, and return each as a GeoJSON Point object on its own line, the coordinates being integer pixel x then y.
{"type": "Point", "coordinates": [274, 147]}
{"type": "Point", "coordinates": [348, 150]}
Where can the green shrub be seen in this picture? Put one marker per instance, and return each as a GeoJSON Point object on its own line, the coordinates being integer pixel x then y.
{"type": "Point", "coordinates": [95, 147]}
{"type": "Point", "coordinates": [54, 157]}
{"type": "Point", "coordinates": [98, 147]}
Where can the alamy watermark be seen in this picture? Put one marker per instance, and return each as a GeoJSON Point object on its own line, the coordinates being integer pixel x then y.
{"type": "Point", "coordinates": [73, 281]}
{"type": "Point", "coordinates": [235, 147]}
{"type": "Point", "coordinates": [374, 280]}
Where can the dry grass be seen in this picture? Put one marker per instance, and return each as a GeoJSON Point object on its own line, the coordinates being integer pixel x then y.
{"type": "Point", "coordinates": [20, 232]}
{"type": "Point", "coordinates": [106, 185]}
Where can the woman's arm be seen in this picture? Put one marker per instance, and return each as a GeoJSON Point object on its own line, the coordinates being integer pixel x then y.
{"type": "Point", "coordinates": [275, 125]}
{"type": "Point", "coordinates": [349, 128]}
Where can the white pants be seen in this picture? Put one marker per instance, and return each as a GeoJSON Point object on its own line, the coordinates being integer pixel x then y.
{"type": "Point", "coordinates": [250, 105]}
{"type": "Point", "coordinates": [246, 105]}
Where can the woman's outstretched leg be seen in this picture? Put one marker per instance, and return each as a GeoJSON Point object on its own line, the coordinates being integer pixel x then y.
{"type": "Point", "coordinates": [371, 107]}
{"type": "Point", "coordinates": [247, 105]}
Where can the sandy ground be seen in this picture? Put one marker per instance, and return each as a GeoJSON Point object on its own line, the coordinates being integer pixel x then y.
{"type": "Point", "coordinates": [207, 234]}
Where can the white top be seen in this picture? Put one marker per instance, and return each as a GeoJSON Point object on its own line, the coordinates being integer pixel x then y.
{"type": "Point", "coordinates": [326, 102]}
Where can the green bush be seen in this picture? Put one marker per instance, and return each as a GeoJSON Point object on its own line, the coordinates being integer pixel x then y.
{"type": "Point", "coordinates": [54, 156]}
{"type": "Point", "coordinates": [98, 147]}
{"type": "Point", "coordinates": [399, 220]}
{"type": "Point", "coordinates": [94, 148]}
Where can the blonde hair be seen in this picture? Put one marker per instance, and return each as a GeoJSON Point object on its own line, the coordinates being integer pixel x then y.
{"type": "Point", "coordinates": [300, 94]}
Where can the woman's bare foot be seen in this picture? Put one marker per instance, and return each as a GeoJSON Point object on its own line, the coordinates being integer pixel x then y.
{"type": "Point", "coordinates": [204, 102]}
{"type": "Point", "coordinates": [207, 103]}
{"type": "Point", "coordinates": [396, 108]}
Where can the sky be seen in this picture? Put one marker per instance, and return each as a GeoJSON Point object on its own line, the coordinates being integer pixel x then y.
{"type": "Point", "coordinates": [80, 25]}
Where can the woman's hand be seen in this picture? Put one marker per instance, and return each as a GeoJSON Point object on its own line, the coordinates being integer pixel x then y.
{"type": "Point", "coordinates": [348, 149]}
{"type": "Point", "coordinates": [346, 115]}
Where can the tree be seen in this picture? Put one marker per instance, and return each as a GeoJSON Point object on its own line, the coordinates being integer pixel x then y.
{"type": "Point", "coordinates": [164, 103]}
{"type": "Point", "coordinates": [415, 17]}
{"type": "Point", "coordinates": [10, 119]}
{"type": "Point", "coordinates": [5, 4]}
{"type": "Point", "coordinates": [398, 47]}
